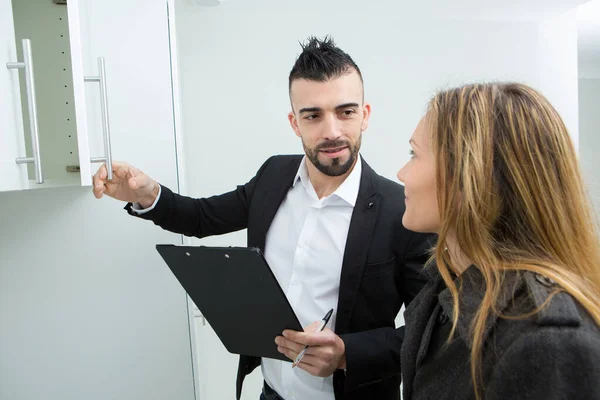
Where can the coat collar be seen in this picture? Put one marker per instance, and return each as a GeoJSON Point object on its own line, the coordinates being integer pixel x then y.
{"type": "Point", "coordinates": [471, 287]}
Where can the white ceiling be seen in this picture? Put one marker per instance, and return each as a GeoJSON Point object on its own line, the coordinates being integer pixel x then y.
{"type": "Point", "coordinates": [488, 9]}
{"type": "Point", "coordinates": [588, 12]}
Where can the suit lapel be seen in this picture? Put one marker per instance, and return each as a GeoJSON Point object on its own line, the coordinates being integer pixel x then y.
{"type": "Point", "coordinates": [280, 183]}
{"type": "Point", "coordinates": [362, 223]}
{"type": "Point", "coordinates": [360, 231]}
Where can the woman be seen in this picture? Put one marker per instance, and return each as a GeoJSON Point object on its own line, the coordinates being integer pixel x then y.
{"type": "Point", "coordinates": [512, 308]}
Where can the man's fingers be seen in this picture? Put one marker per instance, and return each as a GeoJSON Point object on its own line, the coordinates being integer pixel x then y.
{"type": "Point", "coordinates": [295, 336]}
{"type": "Point", "coordinates": [287, 352]}
{"type": "Point", "coordinates": [133, 183]}
{"type": "Point", "coordinates": [313, 365]}
{"type": "Point", "coordinates": [98, 191]}
{"type": "Point", "coordinates": [121, 172]}
{"type": "Point", "coordinates": [102, 174]}
{"type": "Point", "coordinates": [309, 339]}
{"type": "Point", "coordinates": [137, 179]}
{"type": "Point", "coordinates": [98, 181]}
{"type": "Point", "coordinates": [309, 360]}
{"type": "Point", "coordinates": [140, 183]}
{"type": "Point", "coordinates": [319, 357]}
{"type": "Point", "coordinates": [128, 183]}
{"type": "Point", "coordinates": [289, 344]}
{"type": "Point", "coordinates": [312, 327]}
{"type": "Point", "coordinates": [98, 188]}
{"type": "Point", "coordinates": [302, 337]}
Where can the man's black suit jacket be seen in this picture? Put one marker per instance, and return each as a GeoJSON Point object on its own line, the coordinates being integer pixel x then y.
{"type": "Point", "coordinates": [382, 265]}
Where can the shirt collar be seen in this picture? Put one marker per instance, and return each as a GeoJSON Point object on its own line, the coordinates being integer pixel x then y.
{"type": "Point", "coordinates": [347, 191]}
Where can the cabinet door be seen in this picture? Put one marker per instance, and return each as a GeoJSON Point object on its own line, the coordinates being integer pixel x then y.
{"type": "Point", "coordinates": [133, 39]}
{"type": "Point", "coordinates": [43, 44]}
{"type": "Point", "coordinates": [83, 111]}
{"type": "Point", "coordinates": [12, 143]}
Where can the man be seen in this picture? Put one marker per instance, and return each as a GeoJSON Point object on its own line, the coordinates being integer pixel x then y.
{"type": "Point", "coordinates": [330, 229]}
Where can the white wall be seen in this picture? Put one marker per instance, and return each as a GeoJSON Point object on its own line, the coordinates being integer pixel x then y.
{"type": "Point", "coordinates": [558, 72]}
{"type": "Point", "coordinates": [588, 43]}
{"type": "Point", "coordinates": [589, 138]}
{"type": "Point", "coordinates": [234, 64]}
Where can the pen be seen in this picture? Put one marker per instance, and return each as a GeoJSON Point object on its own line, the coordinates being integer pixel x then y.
{"type": "Point", "coordinates": [319, 329]}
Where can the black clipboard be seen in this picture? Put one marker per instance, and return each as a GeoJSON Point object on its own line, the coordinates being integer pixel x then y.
{"type": "Point", "coordinates": [237, 293]}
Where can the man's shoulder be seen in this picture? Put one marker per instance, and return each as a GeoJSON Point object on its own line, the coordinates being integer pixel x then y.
{"type": "Point", "coordinates": [283, 160]}
{"type": "Point", "coordinates": [278, 168]}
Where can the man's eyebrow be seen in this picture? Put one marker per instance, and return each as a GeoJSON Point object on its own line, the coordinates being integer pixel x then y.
{"type": "Point", "coordinates": [309, 109]}
{"type": "Point", "coordinates": [346, 105]}
{"type": "Point", "coordinates": [319, 109]}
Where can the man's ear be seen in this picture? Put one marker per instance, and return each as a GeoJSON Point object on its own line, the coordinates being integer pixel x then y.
{"type": "Point", "coordinates": [366, 115]}
{"type": "Point", "coordinates": [294, 123]}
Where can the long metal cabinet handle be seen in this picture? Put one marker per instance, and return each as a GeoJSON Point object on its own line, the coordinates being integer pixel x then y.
{"type": "Point", "coordinates": [27, 65]}
{"type": "Point", "coordinates": [101, 79]}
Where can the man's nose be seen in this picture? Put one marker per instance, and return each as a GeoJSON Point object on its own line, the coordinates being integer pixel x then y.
{"type": "Point", "coordinates": [332, 129]}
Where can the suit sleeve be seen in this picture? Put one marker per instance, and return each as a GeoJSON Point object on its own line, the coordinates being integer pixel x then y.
{"type": "Point", "coordinates": [374, 355]}
{"type": "Point", "coordinates": [203, 217]}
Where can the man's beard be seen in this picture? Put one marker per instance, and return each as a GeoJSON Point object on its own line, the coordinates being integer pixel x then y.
{"type": "Point", "coordinates": [336, 168]}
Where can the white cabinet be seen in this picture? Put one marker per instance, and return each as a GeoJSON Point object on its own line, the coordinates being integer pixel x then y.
{"type": "Point", "coordinates": [12, 143]}
{"type": "Point", "coordinates": [40, 81]}
{"type": "Point", "coordinates": [90, 71]}
{"type": "Point", "coordinates": [94, 82]}
{"type": "Point", "coordinates": [133, 39]}
{"type": "Point", "coordinates": [88, 308]}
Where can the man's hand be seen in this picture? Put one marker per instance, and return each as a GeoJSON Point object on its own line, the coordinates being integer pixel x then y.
{"type": "Point", "coordinates": [326, 351]}
{"type": "Point", "coordinates": [128, 184]}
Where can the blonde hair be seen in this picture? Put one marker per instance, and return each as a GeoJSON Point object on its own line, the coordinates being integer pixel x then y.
{"type": "Point", "coordinates": [510, 190]}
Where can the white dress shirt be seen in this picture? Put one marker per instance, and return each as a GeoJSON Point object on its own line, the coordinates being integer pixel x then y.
{"type": "Point", "coordinates": [305, 249]}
